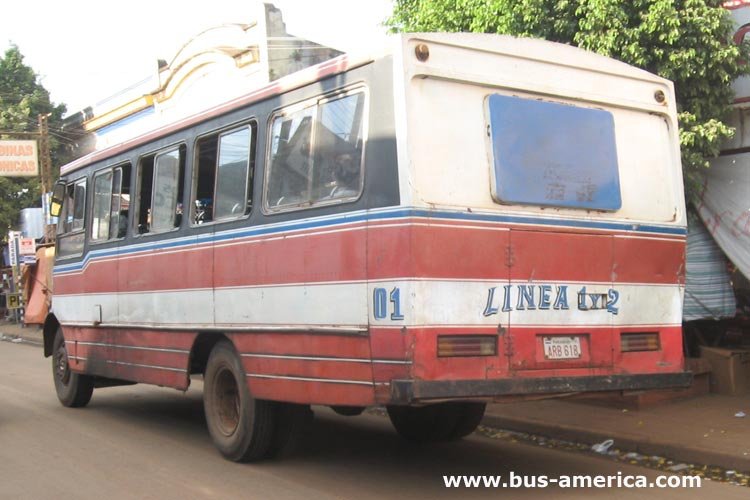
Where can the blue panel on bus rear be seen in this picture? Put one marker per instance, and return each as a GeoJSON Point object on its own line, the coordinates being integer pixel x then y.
{"type": "Point", "coordinates": [553, 154]}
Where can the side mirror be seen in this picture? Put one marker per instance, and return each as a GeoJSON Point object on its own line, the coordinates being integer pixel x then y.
{"type": "Point", "coordinates": [58, 195]}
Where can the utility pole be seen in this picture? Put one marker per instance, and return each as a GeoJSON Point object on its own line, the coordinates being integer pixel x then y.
{"type": "Point", "coordinates": [45, 170]}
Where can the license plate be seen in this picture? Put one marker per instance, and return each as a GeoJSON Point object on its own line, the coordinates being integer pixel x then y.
{"type": "Point", "coordinates": [558, 347]}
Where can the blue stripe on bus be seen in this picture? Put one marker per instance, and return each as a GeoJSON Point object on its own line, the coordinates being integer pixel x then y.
{"type": "Point", "coordinates": [388, 214]}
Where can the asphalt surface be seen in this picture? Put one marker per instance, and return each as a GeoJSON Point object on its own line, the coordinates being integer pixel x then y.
{"type": "Point", "coordinates": [149, 442]}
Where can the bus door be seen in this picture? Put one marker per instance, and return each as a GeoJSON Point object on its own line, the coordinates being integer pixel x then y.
{"type": "Point", "coordinates": [562, 301]}
{"type": "Point", "coordinates": [101, 275]}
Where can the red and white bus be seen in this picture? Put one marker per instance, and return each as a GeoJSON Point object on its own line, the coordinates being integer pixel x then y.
{"type": "Point", "coordinates": [460, 220]}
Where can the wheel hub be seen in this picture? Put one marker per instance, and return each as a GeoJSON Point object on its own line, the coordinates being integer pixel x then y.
{"type": "Point", "coordinates": [62, 371]}
{"type": "Point", "coordinates": [227, 402]}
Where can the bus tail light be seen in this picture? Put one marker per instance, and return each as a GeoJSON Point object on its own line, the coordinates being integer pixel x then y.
{"type": "Point", "coordinates": [639, 341]}
{"type": "Point", "coordinates": [466, 345]}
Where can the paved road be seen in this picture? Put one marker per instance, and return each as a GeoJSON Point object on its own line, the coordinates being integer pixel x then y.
{"type": "Point", "coordinates": [149, 442]}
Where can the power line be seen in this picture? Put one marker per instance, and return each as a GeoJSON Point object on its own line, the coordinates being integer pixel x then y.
{"type": "Point", "coordinates": [62, 138]}
{"type": "Point", "coordinates": [14, 132]}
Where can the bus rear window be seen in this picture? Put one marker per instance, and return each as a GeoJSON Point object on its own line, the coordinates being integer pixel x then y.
{"type": "Point", "coordinates": [553, 154]}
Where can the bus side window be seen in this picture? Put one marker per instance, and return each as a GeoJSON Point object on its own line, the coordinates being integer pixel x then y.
{"type": "Point", "coordinates": [79, 207]}
{"type": "Point", "coordinates": [111, 203]}
{"type": "Point", "coordinates": [71, 223]}
{"type": "Point", "coordinates": [160, 186]}
{"type": "Point", "coordinates": [100, 210]}
{"type": "Point", "coordinates": [204, 178]}
{"type": "Point", "coordinates": [64, 219]}
{"type": "Point", "coordinates": [338, 148]}
{"type": "Point", "coordinates": [223, 178]}
{"type": "Point", "coordinates": [120, 202]}
{"type": "Point", "coordinates": [233, 193]}
{"type": "Point", "coordinates": [291, 164]}
{"type": "Point", "coordinates": [144, 185]}
{"type": "Point", "coordinates": [316, 153]}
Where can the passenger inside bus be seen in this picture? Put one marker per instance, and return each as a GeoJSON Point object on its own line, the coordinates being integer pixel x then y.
{"type": "Point", "coordinates": [122, 224]}
{"type": "Point", "coordinates": [345, 174]}
{"type": "Point", "coordinates": [309, 167]}
{"type": "Point", "coordinates": [203, 210]}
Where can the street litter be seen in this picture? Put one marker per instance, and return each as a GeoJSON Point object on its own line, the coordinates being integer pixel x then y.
{"type": "Point", "coordinates": [740, 414]}
{"type": "Point", "coordinates": [678, 467]}
{"type": "Point", "coordinates": [603, 447]}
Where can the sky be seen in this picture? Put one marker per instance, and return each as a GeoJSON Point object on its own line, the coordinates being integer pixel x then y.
{"type": "Point", "coordinates": [85, 51]}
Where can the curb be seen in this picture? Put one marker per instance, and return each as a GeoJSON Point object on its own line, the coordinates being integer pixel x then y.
{"type": "Point", "coordinates": [640, 444]}
{"type": "Point", "coordinates": [33, 339]}
{"type": "Point", "coordinates": [22, 340]}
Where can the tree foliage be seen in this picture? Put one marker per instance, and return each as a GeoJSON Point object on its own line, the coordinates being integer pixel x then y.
{"type": "Point", "coordinates": [22, 100]}
{"type": "Point", "coordinates": [686, 41]}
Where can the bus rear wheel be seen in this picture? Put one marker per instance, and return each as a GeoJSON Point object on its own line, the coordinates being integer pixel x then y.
{"type": "Point", "coordinates": [240, 426]}
{"type": "Point", "coordinates": [291, 422]}
{"type": "Point", "coordinates": [74, 390]}
{"type": "Point", "coordinates": [468, 420]}
{"type": "Point", "coordinates": [436, 422]}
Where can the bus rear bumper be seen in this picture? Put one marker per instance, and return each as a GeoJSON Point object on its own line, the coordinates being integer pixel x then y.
{"type": "Point", "coordinates": [423, 391]}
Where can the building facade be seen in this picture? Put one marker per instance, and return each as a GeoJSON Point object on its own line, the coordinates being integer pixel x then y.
{"type": "Point", "coordinates": [216, 65]}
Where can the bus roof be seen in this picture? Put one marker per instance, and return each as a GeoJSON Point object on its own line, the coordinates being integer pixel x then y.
{"type": "Point", "coordinates": [538, 50]}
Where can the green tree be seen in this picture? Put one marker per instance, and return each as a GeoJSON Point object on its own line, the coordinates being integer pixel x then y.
{"type": "Point", "coordinates": [686, 41]}
{"type": "Point", "coordinates": [22, 100]}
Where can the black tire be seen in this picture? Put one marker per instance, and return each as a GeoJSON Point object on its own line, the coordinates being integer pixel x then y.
{"type": "Point", "coordinates": [348, 411]}
{"type": "Point", "coordinates": [241, 426]}
{"type": "Point", "coordinates": [470, 416]}
{"type": "Point", "coordinates": [436, 422]}
{"type": "Point", "coordinates": [291, 422]}
{"type": "Point", "coordinates": [74, 390]}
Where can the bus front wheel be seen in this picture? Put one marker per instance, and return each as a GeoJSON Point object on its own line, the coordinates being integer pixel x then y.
{"type": "Point", "coordinates": [241, 426]}
{"type": "Point", "coordinates": [436, 422]}
{"type": "Point", "coordinates": [74, 390]}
